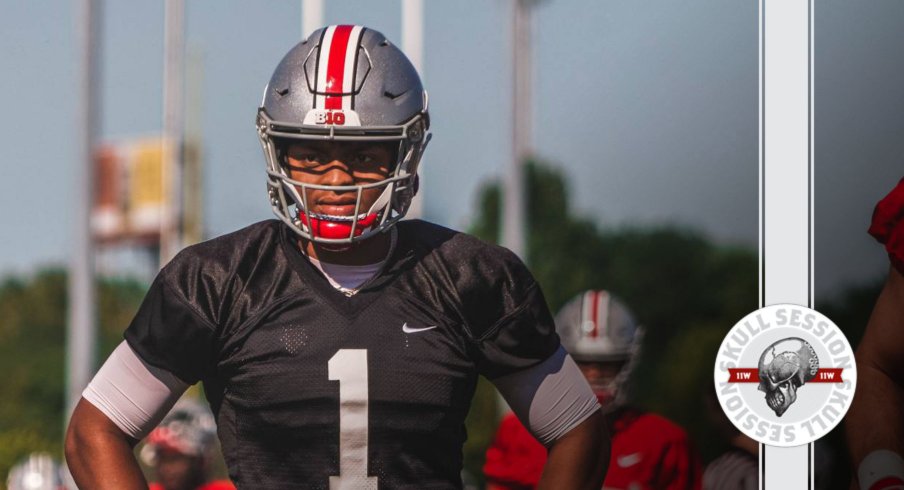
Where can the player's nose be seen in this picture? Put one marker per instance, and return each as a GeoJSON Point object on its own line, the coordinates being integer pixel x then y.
{"type": "Point", "coordinates": [337, 174]}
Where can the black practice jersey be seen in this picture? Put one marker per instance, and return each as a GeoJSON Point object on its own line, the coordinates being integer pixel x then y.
{"type": "Point", "coordinates": [315, 389]}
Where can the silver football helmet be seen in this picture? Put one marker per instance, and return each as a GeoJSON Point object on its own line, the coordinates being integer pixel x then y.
{"type": "Point", "coordinates": [344, 83]}
{"type": "Point", "coordinates": [189, 429]}
{"type": "Point", "coordinates": [39, 471]}
{"type": "Point", "coordinates": [595, 326]}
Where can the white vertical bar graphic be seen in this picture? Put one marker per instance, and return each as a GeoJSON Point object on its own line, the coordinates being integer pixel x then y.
{"type": "Point", "coordinates": [785, 187]}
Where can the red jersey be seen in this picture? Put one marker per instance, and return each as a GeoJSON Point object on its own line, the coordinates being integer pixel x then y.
{"type": "Point", "coordinates": [888, 225]}
{"type": "Point", "coordinates": [648, 452]}
{"type": "Point", "coordinates": [211, 485]}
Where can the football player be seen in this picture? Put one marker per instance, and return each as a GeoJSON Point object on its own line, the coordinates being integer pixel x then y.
{"type": "Point", "coordinates": [648, 451]}
{"type": "Point", "coordinates": [875, 421]}
{"type": "Point", "coordinates": [339, 346]}
{"type": "Point", "coordinates": [181, 449]}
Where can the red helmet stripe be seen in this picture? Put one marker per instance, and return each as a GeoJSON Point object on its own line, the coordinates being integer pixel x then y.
{"type": "Point", "coordinates": [336, 63]}
{"type": "Point", "coordinates": [594, 315]}
{"type": "Point", "coordinates": [335, 71]}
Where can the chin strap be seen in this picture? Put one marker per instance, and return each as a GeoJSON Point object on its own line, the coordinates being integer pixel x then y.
{"type": "Point", "coordinates": [340, 227]}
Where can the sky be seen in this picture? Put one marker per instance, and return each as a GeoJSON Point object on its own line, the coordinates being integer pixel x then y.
{"type": "Point", "coordinates": [649, 108]}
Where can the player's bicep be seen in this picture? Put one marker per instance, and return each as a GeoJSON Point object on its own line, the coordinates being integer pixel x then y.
{"type": "Point", "coordinates": [550, 398]}
{"type": "Point", "coordinates": [884, 337]}
{"type": "Point", "coordinates": [133, 394]}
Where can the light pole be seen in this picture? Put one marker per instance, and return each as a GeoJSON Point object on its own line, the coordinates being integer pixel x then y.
{"type": "Point", "coordinates": [311, 16]}
{"type": "Point", "coordinates": [514, 205]}
{"type": "Point", "coordinates": [413, 46]}
{"type": "Point", "coordinates": [81, 341]}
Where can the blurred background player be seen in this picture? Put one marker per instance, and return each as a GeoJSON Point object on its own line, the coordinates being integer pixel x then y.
{"type": "Point", "coordinates": [39, 471]}
{"type": "Point", "coordinates": [648, 451]}
{"type": "Point", "coordinates": [181, 449]}
{"type": "Point", "coordinates": [875, 421]}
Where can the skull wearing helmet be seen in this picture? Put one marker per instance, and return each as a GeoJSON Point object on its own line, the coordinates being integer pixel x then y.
{"type": "Point", "coordinates": [784, 367]}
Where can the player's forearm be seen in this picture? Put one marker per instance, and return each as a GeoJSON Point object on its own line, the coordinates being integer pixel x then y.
{"type": "Point", "coordinates": [874, 419]}
{"type": "Point", "coordinates": [874, 422]}
{"type": "Point", "coordinates": [578, 459]}
{"type": "Point", "coordinates": [99, 455]}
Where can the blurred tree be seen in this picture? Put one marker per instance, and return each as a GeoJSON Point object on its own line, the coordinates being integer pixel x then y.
{"type": "Point", "coordinates": [685, 290]}
{"type": "Point", "coordinates": [16, 444]}
{"type": "Point", "coordinates": [850, 308]}
{"type": "Point", "coordinates": [32, 356]}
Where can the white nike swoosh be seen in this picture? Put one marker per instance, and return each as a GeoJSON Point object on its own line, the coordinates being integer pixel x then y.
{"type": "Point", "coordinates": [629, 460]}
{"type": "Point", "coordinates": [407, 329]}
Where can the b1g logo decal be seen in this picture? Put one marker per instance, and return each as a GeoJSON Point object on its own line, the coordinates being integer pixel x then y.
{"type": "Point", "coordinates": [336, 118]}
{"type": "Point", "coordinates": [332, 117]}
{"type": "Point", "coordinates": [785, 375]}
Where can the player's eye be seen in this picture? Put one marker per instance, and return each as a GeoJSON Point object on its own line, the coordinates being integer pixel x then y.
{"type": "Point", "coordinates": [363, 159]}
{"type": "Point", "coordinates": [306, 159]}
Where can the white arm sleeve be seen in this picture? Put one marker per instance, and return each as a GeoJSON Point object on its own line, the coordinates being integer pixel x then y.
{"type": "Point", "coordinates": [550, 398]}
{"type": "Point", "coordinates": [134, 395]}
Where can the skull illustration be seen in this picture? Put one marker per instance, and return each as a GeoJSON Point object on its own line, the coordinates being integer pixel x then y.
{"type": "Point", "coordinates": [784, 367]}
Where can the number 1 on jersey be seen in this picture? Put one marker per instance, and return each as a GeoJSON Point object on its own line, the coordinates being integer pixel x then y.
{"type": "Point", "coordinates": [349, 367]}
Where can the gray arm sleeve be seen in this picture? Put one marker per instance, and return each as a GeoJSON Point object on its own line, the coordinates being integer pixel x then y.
{"type": "Point", "coordinates": [132, 394]}
{"type": "Point", "coordinates": [550, 398]}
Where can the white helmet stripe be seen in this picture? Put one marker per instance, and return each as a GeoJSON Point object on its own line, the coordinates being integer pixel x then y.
{"type": "Point", "coordinates": [602, 318]}
{"type": "Point", "coordinates": [323, 61]}
{"type": "Point", "coordinates": [587, 322]}
{"type": "Point", "coordinates": [348, 78]}
{"type": "Point", "coordinates": [595, 314]}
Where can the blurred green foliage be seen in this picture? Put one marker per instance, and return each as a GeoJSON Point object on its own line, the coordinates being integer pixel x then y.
{"type": "Point", "coordinates": [684, 289]}
{"type": "Point", "coordinates": [32, 356]}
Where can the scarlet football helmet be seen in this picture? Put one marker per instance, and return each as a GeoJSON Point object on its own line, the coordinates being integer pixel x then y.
{"type": "Point", "coordinates": [595, 326]}
{"type": "Point", "coordinates": [189, 429]}
{"type": "Point", "coordinates": [344, 83]}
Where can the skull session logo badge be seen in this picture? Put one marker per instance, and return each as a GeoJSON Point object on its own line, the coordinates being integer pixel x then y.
{"type": "Point", "coordinates": [785, 375]}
